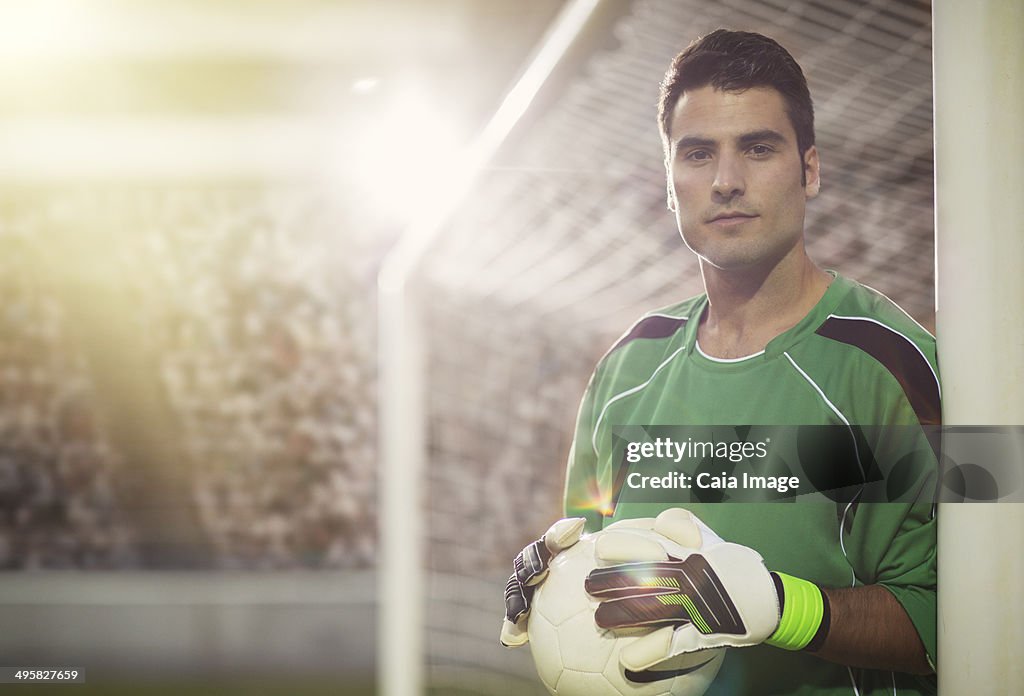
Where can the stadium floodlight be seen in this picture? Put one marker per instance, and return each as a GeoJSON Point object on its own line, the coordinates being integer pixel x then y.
{"type": "Point", "coordinates": [404, 158]}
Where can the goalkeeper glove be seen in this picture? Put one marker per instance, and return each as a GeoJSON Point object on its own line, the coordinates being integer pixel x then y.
{"type": "Point", "coordinates": [529, 570]}
{"type": "Point", "coordinates": [720, 595]}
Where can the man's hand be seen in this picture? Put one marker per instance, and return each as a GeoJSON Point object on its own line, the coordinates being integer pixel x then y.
{"type": "Point", "coordinates": [529, 570]}
{"type": "Point", "coordinates": [720, 595]}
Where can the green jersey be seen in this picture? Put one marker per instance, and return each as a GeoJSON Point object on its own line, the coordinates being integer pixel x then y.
{"type": "Point", "coordinates": [855, 359]}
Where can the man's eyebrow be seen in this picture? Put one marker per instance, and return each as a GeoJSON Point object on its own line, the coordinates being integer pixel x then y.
{"type": "Point", "coordinates": [693, 141]}
{"type": "Point", "coordinates": [766, 135]}
{"type": "Point", "coordinates": [762, 136]}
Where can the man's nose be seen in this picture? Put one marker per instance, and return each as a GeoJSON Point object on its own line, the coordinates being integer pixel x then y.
{"type": "Point", "coordinates": [729, 178]}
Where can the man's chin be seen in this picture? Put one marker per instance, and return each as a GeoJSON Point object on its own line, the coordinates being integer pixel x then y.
{"type": "Point", "coordinates": [733, 263]}
{"type": "Point", "coordinates": [745, 266]}
{"type": "Point", "coordinates": [743, 257]}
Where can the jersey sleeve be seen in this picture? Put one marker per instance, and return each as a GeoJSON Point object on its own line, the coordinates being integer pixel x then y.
{"type": "Point", "coordinates": [905, 566]}
{"type": "Point", "coordinates": [889, 384]}
{"type": "Point", "coordinates": [893, 544]}
{"type": "Point", "coordinates": [582, 496]}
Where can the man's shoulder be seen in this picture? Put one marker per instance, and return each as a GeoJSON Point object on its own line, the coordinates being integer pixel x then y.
{"type": "Point", "coordinates": [868, 319]}
{"type": "Point", "coordinates": [865, 302]}
{"type": "Point", "coordinates": [659, 324]}
{"type": "Point", "coordinates": [867, 339]}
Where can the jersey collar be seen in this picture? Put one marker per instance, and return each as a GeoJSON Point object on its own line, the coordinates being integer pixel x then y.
{"type": "Point", "coordinates": [834, 294]}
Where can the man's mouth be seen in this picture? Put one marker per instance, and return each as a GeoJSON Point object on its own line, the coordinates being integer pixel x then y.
{"type": "Point", "coordinates": [727, 219]}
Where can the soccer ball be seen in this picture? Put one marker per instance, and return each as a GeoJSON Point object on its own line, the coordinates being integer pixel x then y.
{"type": "Point", "coordinates": [574, 657]}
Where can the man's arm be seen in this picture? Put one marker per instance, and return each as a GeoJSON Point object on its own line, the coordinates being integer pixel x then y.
{"type": "Point", "coordinates": [870, 629]}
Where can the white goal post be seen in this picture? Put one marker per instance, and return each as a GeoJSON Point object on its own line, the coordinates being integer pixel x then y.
{"type": "Point", "coordinates": [402, 425]}
{"type": "Point", "coordinates": [979, 150]}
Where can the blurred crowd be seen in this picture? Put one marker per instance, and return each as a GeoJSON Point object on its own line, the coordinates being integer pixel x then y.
{"type": "Point", "coordinates": [246, 322]}
{"type": "Point", "coordinates": [58, 507]}
{"type": "Point", "coordinates": [261, 337]}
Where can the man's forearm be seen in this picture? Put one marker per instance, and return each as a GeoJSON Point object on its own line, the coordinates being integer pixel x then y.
{"type": "Point", "coordinates": [869, 628]}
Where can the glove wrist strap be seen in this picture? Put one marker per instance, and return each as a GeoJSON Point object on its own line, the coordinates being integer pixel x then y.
{"type": "Point", "coordinates": [805, 614]}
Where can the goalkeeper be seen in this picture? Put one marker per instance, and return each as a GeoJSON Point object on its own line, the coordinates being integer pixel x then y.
{"type": "Point", "coordinates": [848, 606]}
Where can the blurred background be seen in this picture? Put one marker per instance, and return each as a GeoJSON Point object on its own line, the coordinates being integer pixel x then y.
{"type": "Point", "coordinates": [195, 201]}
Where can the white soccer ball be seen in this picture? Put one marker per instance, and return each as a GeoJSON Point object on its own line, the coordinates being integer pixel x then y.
{"type": "Point", "coordinates": [574, 657]}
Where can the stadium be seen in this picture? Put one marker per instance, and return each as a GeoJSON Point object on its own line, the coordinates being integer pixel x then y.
{"type": "Point", "coordinates": [301, 299]}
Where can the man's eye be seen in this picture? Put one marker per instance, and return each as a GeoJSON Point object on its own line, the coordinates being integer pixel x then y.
{"type": "Point", "coordinates": [698, 155]}
{"type": "Point", "coordinates": [760, 150]}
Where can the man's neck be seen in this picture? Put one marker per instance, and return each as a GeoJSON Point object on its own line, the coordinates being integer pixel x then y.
{"type": "Point", "coordinates": [748, 308]}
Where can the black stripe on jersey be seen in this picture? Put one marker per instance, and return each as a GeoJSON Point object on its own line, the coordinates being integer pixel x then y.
{"type": "Point", "coordinates": [898, 355]}
{"type": "Point", "coordinates": [651, 327]}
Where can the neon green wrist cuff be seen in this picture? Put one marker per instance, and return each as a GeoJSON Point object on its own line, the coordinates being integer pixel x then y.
{"type": "Point", "coordinates": [802, 613]}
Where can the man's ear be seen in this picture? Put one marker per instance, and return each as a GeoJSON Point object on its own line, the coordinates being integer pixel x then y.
{"type": "Point", "coordinates": [812, 172]}
{"type": "Point", "coordinates": [670, 194]}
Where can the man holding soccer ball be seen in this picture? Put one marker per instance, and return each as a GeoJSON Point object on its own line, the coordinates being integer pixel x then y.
{"type": "Point", "coordinates": [812, 598]}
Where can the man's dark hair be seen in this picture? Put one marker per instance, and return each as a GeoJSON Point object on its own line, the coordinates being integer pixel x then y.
{"type": "Point", "coordinates": [736, 61]}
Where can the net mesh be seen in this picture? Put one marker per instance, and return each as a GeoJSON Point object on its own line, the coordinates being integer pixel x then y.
{"type": "Point", "coordinates": [566, 240]}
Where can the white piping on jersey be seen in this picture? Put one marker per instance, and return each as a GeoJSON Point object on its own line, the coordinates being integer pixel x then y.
{"type": "Point", "coordinates": [904, 337]}
{"type": "Point", "coordinates": [727, 360]}
{"type": "Point", "coordinates": [633, 390]}
{"type": "Point", "coordinates": [659, 314]}
{"type": "Point", "coordinates": [899, 308]}
{"type": "Point", "coordinates": [856, 691]}
{"type": "Point", "coordinates": [832, 406]}
{"type": "Point", "coordinates": [853, 682]}
{"type": "Point", "coordinates": [842, 544]}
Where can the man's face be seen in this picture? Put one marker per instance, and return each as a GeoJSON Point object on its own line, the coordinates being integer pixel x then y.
{"type": "Point", "coordinates": [735, 177]}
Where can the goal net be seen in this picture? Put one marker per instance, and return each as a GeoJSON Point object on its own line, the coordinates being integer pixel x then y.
{"type": "Point", "coordinates": [565, 239]}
